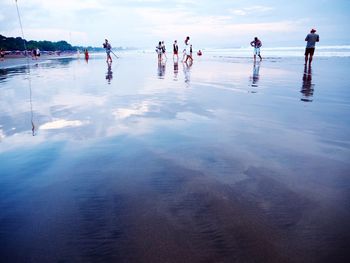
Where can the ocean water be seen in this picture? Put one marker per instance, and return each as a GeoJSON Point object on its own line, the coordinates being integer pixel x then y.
{"type": "Point", "coordinates": [225, 160]}
{"type": "Point", "coordinates": [271, 52]}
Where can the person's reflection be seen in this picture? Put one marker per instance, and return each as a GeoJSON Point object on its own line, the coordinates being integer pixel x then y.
{"type": "Point", "coordinates": [161, 69]}
{"type": "Point", "coordinates": [187, 71]}
{"type": "Point", "coordinates": [255, 77]}
{"type": "Point", "coordinates": [176, 69]}
{"type": "Point", "coordinates": [109, 74]}
{"type": "Point", "coordinates": [307, 88]}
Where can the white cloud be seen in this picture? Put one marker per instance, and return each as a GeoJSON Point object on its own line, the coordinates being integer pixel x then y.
{"type": "Point", "coordinates": [250, 10]}
{"type": "Point", "coordinates": [213, 29]}
{"type": "Point", "coordinates": [59, 124]}
{"type": "Point", "coordinates": [62, 5]}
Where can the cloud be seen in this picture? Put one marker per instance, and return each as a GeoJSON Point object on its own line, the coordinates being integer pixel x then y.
{"type": "Point", "coordinates": [250, 10]}
{"type": "Point", "coordinates": [62, 5]}
{"type": "Point", "coordinates": [209, 28]}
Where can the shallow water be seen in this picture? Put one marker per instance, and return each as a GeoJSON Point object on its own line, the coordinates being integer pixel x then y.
{"type": "Point", "coordinates": [224, 161]}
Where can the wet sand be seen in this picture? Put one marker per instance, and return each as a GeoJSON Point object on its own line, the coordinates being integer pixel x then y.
{"type": "Point", "coordinates": [224, 161]}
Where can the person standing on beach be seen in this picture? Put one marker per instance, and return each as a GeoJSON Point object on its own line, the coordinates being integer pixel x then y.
{"type": "Point", "coordinates": [311, 39]}
{"type": "Point", "coordinates": [175, 50]}
{"type": "Point", "coordinates": [38, 52]}
{"type": "Point", "coordinates": [188, 50]}
{"type": "Point", "coordinates": [108, 47]}
{"type": "Point", "coordinates": [159, 51]}
{"type": "Point", "coordinates": [256, 43]}
{"type": "Point", "coordinates": [164, 50]}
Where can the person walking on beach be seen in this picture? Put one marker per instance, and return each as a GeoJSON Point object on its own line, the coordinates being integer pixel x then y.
{"type": "Point", "coordinates": [188, 50]}
{"type": "Point", "coordinates": [175, 50]}
{"type": "Point", "coordinates": [311, 39]}
{"type": "Point", "coordinates": [108, 47]}
{"type": "Point", "coordinates": [86, 53]}
{"type": "Point", "coordinates": [256, 43]}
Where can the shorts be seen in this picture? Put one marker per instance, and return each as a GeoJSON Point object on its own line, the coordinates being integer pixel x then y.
{"type": "Point", "coordinates": [256, 51]}
{"type": "Point", "coordinates": [108, 52]}
{"type": "Point", "coordinates": [309, 50]}
{"type": "Point", "coordinates": [175, 52]}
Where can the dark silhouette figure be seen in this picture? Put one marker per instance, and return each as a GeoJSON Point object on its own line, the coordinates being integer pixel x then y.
{"type": "Point", "coordinates": [307, 88]}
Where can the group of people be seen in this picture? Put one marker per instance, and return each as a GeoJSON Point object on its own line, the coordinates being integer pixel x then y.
{"type": "Point", "coordinates": [311, 39]}
{"type": "Point", "coordinates": [187, 51]}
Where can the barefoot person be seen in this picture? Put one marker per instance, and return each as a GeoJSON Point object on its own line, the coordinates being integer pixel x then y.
{"type": "Point", "coordinates": [188, 50]}
{"type": "Point", "coordinates": [108, 47]}
{"type": "Point", "coordinates": [311, 39]}
{"type": "Point", "coordinates": [164, 50]}
{"type": "Point", "coordinates": [159, 51]}
{"type": "Point", "coordinates": [175, 50]}
{"type": "Point", "coordinates": [256, 43]}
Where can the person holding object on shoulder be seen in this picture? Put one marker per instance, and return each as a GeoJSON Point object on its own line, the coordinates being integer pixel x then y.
{"type": "Point", "coordinates": [108, 47]}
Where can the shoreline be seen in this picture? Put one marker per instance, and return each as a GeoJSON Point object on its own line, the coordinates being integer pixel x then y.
{"type": "Point", "coordinates": [20, 60]}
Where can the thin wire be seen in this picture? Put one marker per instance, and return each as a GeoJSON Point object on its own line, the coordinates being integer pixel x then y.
{"type": "Point", "coordinates": [20, 23]}
{"type": "Point", "coordinates": [28, 67]}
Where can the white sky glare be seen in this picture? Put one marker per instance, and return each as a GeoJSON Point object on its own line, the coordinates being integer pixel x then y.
{"type": "Point", "coordinates": [142, 23]}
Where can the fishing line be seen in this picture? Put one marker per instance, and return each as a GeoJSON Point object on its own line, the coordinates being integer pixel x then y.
{"type": "Point", "coordinates": [28, 67]}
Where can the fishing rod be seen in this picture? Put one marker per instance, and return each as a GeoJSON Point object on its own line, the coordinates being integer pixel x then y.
{"type": "Point", "coordinates": [29, 76]}
{"type": "Point", "coordinates": [114, 54]}
{"type": "Point", "coordinates": [20, 24]}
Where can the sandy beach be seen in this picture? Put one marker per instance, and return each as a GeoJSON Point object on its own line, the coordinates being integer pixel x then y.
{"type": "Point", "coordinates": [11, 61]}
{"type": "Point", "coordinates": [226, 160]}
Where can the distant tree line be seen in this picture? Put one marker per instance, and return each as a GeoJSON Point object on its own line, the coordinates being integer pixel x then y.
{"type": "Point", "coordinates": [17, 43]}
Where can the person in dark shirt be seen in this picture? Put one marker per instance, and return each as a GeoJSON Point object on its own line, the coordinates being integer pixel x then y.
{"type": "Point", "coordinates": [175, 50]}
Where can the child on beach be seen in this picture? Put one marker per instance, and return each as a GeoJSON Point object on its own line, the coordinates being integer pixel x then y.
{"type": "Point", "coordinates": [256, 43]}
{"type": "Point", "coordinates": [108, 48]}
{"type": "Point", "coordinates": [86, 53]}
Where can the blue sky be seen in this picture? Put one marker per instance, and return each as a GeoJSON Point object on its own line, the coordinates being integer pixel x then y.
{"type": "Point", "coordinates": [141, 23]}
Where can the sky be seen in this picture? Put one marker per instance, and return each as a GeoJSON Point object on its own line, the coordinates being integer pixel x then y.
{"type": "Point", "coordinates": [209, 23]}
